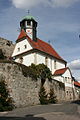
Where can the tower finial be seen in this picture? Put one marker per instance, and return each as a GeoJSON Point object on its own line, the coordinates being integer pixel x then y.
{"type": "Point", "coordinates": [28, 12]}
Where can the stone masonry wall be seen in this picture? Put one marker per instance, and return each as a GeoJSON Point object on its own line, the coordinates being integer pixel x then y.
{"type": "Point", "coordinates": [58, 87]}
{"type": "Point", "coordinates": [23, 90]}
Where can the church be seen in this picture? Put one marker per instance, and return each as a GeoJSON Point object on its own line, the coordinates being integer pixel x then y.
{"type": "Point", "coordinates": [30, 49]}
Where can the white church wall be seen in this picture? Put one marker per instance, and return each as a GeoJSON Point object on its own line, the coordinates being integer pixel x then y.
{"type": "Point", "coordinates": [59, 78]}
{"type": "Point", "coordinates": [40, 58]}
{"type": "Point", "coordinates": [68, 79]}
{"type": "Point", "coordinates": [59, 65]}
{"type": "Point", "coordinates": [28, 59]}
{"type": "Point", "coordinates": [21, 47]}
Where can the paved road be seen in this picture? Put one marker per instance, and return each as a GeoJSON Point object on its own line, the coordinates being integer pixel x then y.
{"type": "Point", "coordinates": [66, 111]}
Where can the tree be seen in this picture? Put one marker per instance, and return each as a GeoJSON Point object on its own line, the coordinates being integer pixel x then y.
{"type": "Point", "coordinates": [5, 100]}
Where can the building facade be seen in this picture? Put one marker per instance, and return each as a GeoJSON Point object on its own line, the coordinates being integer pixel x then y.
{"type": "Point", "coordinates": [30, 49]}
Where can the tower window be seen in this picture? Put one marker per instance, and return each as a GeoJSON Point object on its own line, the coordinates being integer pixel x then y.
{"type": "Point", "coordinates": [18, 49]}
{"type": "Point", "coordinates": [28, 22]}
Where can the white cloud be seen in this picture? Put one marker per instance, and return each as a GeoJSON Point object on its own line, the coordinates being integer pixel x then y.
{"type": "Point", "coordinates": [62, 3]}
{"type": "Point", "coordinates": [75, 65]}
{"type": "Point", "coordinates": [26, 4]}
{"type": "Point", "coordinates": [75, 69]}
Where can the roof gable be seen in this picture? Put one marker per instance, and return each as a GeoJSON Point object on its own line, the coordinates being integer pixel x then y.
{"type": "Point", "coordinates": [60, 71]}
{"type": "Point", "coordinates": [21, 35]}
{"type": "Point", "coordinates": [77, 83]}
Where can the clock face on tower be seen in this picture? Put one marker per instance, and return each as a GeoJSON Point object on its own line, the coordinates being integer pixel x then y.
{"type": "Point", "coordinates": [29, 31]}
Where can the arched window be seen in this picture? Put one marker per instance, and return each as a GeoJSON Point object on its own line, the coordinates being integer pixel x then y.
{"type": "Point", "coordinates": [20, 60]}
{"type": "Point", "coordinates": [46, 60]}
{"type": "Point", "coordinates": [54, 64]}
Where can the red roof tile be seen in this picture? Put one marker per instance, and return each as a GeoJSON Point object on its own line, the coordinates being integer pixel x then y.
{"type": "Point", "coordinates": [77, 83]}
{"type": "Point", "coordinates": [60, 71]}
{"type": "Point", "coordinates": [21, 35]}
{"type": "Point", "coordinates": [41, 45]}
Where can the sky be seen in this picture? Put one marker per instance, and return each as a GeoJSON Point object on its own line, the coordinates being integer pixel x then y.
{"type": "Point", "coordinates": [58, 22]}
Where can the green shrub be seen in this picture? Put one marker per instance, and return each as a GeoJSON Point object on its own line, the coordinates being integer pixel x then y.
{"type": "Point", "coordinates": [52, 96]}
{"type": "Point", "coordinates": [47, 98]}
{"type": "Point", "coordinates": [5, 100]}
{"type": "Point", "coordinates": [43, 96]}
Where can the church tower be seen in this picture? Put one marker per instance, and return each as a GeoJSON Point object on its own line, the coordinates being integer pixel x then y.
{"type": "Point", "coordinates": [29, 25]}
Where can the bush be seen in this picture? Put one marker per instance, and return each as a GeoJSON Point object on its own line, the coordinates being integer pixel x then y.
{"type": "Point", "coordinates": [52, 97]}
{"type": "Point", "coordinates": [36, 71]}
{"type": "Point", "coordinates": [43, 96]}
{"type": "Point", "coordinates": [47, 98]}
{"type": "Point", "coordinates": [5, 100]}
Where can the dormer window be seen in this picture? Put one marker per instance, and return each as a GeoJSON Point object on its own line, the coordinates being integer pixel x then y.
{"type": "Point", "coordinates": [18, 49]}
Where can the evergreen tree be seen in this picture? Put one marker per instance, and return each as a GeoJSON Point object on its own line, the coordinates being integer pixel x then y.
{"type": "Point", "coordinates": [5, 100]}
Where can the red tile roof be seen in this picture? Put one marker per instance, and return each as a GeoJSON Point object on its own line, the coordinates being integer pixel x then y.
{"type": "Point", "coordinates": [77, 83]}
{"type": "Point", "coordinates": [21, 35]}
{"type": "Point", "coordinates": [60, 71]}
{"type": "Point", "coordinates": [40, 45]}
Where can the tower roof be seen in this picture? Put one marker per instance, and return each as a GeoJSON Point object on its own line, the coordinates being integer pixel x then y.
{"type": "Point", "coordinates": [28, 18]}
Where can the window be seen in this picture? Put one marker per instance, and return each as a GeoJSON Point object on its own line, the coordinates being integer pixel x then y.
{"type": "Point", "coordinates": [54, 64]}
{"type": "Point", "coordinates": [18, 49]}
{"type": "Point", "coordinates": [20, 60]}
{"type": "Point", "coordinates": [66, 79]}
{"type": "Point", "coordinates": [25, 46]}
{"type": "Point", "coordinates": [46, 61]}
{"type": "Point", "coordinates": [28, 22]}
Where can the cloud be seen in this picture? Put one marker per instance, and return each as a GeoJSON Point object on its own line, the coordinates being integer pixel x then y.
{"type": "Point", "coordinates": [62, 3]}
{"type": "Point", "coordinates": [74, 65]}
{"type": "Point", "coordinates": [75, 68]}
{"type": "Point", "coordinates": [26, 4]}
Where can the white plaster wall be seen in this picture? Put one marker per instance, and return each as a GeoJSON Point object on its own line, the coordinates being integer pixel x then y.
{"type": "Point", "coordinates": [67, 74]}
{"type": "Point", "coordinates": [40, 58]}
{"type": "Point", "coordinates": [49, 64]}
{"type": "Point", "coordinates": [59, 78]}
{"type": "Point", "coordinates": [28, 59]}
{"type": "Point", "coordinates": [68, 82]}
{"type": "Point", "coordinates": [60, 65]}
{"type": "Point", "coordinates": [53, 70]}
{"type": "Point", "coordinates": [22, 48]}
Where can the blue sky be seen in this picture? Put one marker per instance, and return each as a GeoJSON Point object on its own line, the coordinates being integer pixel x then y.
{"type": "Point", "coordinates": [58, 21]}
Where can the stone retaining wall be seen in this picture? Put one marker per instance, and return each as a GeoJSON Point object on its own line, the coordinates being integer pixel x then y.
{"type": "Point", "coordinates": [23, 90]}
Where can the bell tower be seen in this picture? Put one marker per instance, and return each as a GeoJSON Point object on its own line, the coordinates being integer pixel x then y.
{"type": "Point", "coordinates": [29, 25]}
